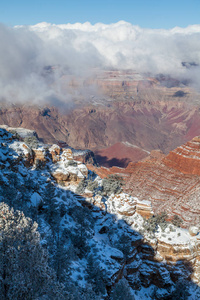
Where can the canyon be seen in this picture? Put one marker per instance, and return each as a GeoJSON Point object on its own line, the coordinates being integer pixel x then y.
{"type": "Point", "coordinates": [133, 122]}
{"type": "Point", "coordinates": [130, 115]}
{"type": "Point", "coordinates": [152, 262]}
{"type": "Point", "coordinates": [171, 182]}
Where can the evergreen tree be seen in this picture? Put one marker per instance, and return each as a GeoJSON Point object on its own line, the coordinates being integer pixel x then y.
{"type": "Point", "coordinates": [181, 291]}
{"type": "Point", "coordinates": [60, 258]}
{"type": "Point", "coordinates": [85, 223]}
{"type": "Point", "coordinates": [24, 271]}
{"type": "Point", "coordinates": [52, 213]}
{"type": "Point", "coordinates": [124, 245]}
{"type": "Point", "coordinates": [111, 185]}
{"type": "Point", "coordinates": [95, 276]}
{"type": "Point", "coordinates": [121, 291]}
{"type": "Point", "coordinates": [176, 221]}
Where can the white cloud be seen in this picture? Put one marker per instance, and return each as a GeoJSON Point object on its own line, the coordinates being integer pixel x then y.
{"type": "Point", "coordinates": [78, 48]}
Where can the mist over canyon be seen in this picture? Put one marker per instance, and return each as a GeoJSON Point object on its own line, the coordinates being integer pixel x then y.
{"type": "Point", "coordinates": [39, 62]}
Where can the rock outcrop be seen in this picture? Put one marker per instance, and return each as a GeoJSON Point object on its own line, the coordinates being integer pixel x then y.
{"type": "Point", "coordinates": [185, 158]}
{"type": "Point", "coordinates": [144, 208]}
{"type": "Point", "coordinates": [22, 132]}
{"type": "Point", "coordinates": [60, 162]}
{"type": "Point", "coordinates": [170, 246]}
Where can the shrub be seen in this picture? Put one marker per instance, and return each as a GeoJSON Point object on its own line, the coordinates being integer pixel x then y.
{"type": "Point", "coordinates": [89, 184]}
{"type": "Point", "coordinates": [15, 134]}
{"type": "Point", "coordinates": [181, 291]}
{"type": "Point", "coordinates": [71, 163]}
{"type": "Point", "coordinates": [111, 185]}
{"type": "Point", "coordinates": [176, 221]}
{"type": "Point", "coordinates": [31, 141]}
{"type": "Point", "coordinates": [92, 185]}
{"type": "Point", "coordinates": [121, 291]}
{"type": "Point", "coordinates": [81, 187]}
{"type": "Point", "coordinates": [151, 225]}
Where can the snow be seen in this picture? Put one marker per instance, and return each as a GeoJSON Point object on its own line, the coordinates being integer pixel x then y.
{"type": "Point", "coordinates": [19, 148]}
{"type": "Point", "coordinates": [143, 293]}
{"type": "Point", "coordinates": [134, 146]}
{"type": "Point", "coordinates": [35, 199]}
{"type": "Point", "coordinates": [79, 152]}
{"type": "Point", "coordinates": [180, 236]}
{"type": "Point", "coordinates": [23, 171]}
{"type": "Point", "coordinates": [144, 202]}
{"type": "Point", "coordinates": [22, 132]}
{"type": "Point", "coordinates": [3, 157]}
{"type": "Point", "coordinates": [78, 272]}
{"type": "Point", "coordinates": [54, 147]}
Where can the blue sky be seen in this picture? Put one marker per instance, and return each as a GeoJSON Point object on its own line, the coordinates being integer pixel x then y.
{"type": "Point", "coordinates": [145, 13]}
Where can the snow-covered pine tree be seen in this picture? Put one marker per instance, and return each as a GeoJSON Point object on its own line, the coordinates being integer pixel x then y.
{"type": "Point", "coordinates": [24, 270]}
{"type": "Point", "coordinates": [121, 291]}
{"type": "Point", "coordinates": [52, 212]}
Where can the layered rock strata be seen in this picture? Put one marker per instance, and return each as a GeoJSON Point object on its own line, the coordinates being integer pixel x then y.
{"type": "Point", "coordinates": [171, 183]}
{"type": "Point", "coordinates": [185, 158]}
{"type": "Point", "coordinates": [171, 246]}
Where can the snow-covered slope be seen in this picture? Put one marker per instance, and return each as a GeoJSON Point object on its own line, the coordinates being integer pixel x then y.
{"type": "Point", "coordinates": [96, 239]}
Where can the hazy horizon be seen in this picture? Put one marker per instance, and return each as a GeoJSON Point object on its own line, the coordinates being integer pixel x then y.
{"type": "Point", "coordinates": [78, 48]}
{"type": "Point", "coordinates": [155, 37]}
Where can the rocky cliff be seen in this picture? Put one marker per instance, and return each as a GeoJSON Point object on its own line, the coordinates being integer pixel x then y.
{"type": "Point", "coordinates": [171, 182]}
{"type": "Point", "coordinates": [114, 233]}
{"type": "Point", "coordinates": [185, 158]}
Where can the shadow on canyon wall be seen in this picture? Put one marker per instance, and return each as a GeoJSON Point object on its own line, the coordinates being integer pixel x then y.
{"type": "Point", "coordinates": [140, 265]}
{"type": "Point", "coordinates": [108, 163]}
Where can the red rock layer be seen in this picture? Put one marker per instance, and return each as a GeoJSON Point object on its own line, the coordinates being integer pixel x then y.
{"type": "Point", "coordinates": [185, 158]}
{"type": "Point", "coordinates": [120, 154]}
{"type": "Point", "coordinates": [166, 187]}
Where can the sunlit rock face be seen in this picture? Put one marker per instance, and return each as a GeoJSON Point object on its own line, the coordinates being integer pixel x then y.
{"type": "Point", "coordinates": [60, 161]}
{"type": "Point", "coordinates": [55, 152]}
{"type": "Point", "coordinates": [185, 158]}
{"type": "Point", "coordinates": [161, 180]}
{"type": "Point", "coordinates": [144, 208]}
{"type": "Point", "coordinates": [171, 182]}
